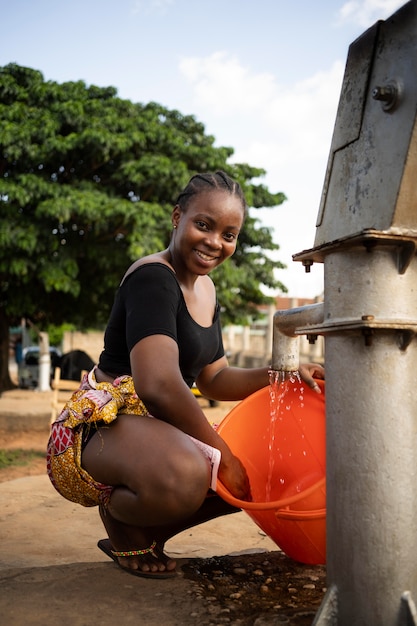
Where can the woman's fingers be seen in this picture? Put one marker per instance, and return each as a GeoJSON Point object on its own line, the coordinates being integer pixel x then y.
{"type": "Point", "coordinates": [309, 372]}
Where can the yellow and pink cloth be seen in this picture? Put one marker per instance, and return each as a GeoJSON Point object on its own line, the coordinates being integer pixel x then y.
{"type": "Point", "coordinates": [94, 405]}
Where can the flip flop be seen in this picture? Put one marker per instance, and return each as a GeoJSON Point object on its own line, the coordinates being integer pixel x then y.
{"type": "Point", "coordinates": [107, 548]}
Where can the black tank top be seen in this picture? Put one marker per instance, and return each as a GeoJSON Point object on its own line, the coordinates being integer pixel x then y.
{"type": "Point", "coordinates": [150, 302]}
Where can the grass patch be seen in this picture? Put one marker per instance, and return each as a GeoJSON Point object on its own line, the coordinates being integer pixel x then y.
{"type": "Point", "coordinates": [11, 458]}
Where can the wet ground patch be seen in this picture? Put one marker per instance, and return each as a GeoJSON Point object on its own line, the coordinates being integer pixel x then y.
{"type": "Point", "coordinates": [256, 589]}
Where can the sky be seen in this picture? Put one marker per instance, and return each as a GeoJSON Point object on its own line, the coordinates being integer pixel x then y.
{"type": "Point", "coordinates": [262, 76]}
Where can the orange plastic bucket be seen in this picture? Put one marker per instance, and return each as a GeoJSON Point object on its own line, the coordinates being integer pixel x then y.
{"type": "Point", "coordinates": [284, 455]}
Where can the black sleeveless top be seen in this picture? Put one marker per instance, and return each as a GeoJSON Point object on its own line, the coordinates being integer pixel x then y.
{"type": "Point", "coordinates": [150, 302]}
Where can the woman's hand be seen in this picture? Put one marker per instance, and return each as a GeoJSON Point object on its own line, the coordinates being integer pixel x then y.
{"type": "Point", "coordinates": [309, 371]}
{"type": "Point", "coordinates": [234, 477]}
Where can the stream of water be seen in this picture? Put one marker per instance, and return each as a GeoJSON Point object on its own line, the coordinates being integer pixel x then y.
{"type": "Point", "coordinates": [283, 387]}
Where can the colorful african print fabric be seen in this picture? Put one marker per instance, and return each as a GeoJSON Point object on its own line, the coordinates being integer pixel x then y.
{"type": "Point", "coordinates": [91, 406]}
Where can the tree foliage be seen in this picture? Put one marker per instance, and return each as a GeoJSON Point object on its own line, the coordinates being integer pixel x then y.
{"type": "Point", "coordinates": [87, 184]}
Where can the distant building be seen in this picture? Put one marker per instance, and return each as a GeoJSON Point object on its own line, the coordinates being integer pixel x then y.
{"type": "Point", "coordinates": [251, 345]}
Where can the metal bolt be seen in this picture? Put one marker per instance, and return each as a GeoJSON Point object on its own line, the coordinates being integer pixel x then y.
{"type": "Point", "coordinates": [387, 94]}
{"type": "Point", "coordinates": [368, 336]}
{"type": "Point", "coordinates": [307, 265]}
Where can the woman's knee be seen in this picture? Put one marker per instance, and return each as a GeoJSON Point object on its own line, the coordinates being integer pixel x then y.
{"type": "Point", "coordinates": [191, 475]}
{"type": "Point", "coordinates": [179, 488]}
{"type": "Point", "coordinates": [174, 491]}
{"type": "Point", "coordinates": [182, 481]}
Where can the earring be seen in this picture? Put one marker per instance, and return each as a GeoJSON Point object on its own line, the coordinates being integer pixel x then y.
{"type": "Point", "coordinates": [174, 227]}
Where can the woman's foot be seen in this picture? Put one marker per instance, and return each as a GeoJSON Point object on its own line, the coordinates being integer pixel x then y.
{"type": "Point", "coordinates": [123, 537]}
{"type": "Point", "coordinates": [140, 554]}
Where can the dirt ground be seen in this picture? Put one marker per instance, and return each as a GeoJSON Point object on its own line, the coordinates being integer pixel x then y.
{"type": "Point", "coordinates": [23, 441]}
{"type": "Point", "coordinates": [253, 585]}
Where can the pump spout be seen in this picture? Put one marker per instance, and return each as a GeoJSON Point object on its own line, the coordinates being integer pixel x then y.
{"type": "Point", "coordinates": [288, 325]}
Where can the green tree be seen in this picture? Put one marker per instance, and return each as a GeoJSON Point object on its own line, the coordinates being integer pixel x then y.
{"type": "Point", "coordinates": [87, 184]}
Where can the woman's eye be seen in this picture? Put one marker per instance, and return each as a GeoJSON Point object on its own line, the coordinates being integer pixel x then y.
{"type": "Point", "coordinates": [202, 225]}
{"type": "Point", "coordinates": [230, 236]}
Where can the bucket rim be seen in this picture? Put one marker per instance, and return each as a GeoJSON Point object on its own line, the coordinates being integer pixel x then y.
{"type": "Point", "coordinates": [268, 506]}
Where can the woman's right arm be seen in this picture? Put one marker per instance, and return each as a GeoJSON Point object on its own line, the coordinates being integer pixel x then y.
{"type": "Point", "coordinates": [159, 384]}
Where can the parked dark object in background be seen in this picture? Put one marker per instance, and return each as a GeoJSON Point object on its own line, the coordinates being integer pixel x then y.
{"type": "Point", "coordinates": [73, 363]}
{"type": "Point", "coordinates": [28, 368]}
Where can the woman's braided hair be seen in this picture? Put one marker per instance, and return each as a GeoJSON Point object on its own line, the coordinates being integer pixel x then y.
{"type": "Point", "coordinates": [200, 183]}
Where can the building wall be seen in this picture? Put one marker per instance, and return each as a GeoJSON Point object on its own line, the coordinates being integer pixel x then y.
{"type": "Point", "coordinates": [90, 342]}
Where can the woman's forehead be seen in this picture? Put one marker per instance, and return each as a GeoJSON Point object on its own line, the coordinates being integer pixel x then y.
{"type": "Point", "coordinates": [215, 200]}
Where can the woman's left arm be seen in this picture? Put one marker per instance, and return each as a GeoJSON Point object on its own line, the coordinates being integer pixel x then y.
{"type": "Point", "coordinates": [220, 381]}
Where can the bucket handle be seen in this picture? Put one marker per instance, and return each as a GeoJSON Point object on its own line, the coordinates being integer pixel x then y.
{"type": "Point", "coordinates": [300, 516]}
{"type": "Point", "coordinates": [266, 506]}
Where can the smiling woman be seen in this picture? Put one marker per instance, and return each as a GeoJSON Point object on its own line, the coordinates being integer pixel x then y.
{"type": "Point", "coordinates": [133, 440]}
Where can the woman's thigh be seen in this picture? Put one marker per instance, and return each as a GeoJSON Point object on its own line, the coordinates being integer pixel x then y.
{"type": "Point", "coordinates": [141, 452]}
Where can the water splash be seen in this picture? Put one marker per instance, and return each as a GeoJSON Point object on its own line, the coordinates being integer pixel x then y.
{"type": "Point", "coordinates": [282, 386]}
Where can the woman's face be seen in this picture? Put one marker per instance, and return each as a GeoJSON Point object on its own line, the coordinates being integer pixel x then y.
{"type": "Point", "coordinates": [206, 233]}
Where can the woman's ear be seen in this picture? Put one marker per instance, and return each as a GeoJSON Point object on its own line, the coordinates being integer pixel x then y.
{"type": "Point", "coordinates": [175, 217]}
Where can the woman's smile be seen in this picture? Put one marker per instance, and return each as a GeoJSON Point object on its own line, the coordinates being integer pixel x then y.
{"type": "Point", "coordinates": [206, 257]}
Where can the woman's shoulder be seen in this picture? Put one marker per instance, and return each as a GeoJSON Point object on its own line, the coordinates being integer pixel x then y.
{"type": "Point", "coordinates": [154, 262]}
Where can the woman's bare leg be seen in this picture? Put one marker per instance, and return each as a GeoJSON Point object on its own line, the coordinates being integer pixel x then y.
{"type": "Point", "coordinates": [161, 479]}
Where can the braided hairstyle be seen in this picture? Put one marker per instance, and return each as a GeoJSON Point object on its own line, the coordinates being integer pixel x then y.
{"type": "Point", "coordinates": [201, 183]}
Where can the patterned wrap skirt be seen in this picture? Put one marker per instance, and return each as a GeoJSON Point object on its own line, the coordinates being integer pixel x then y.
{"type": "Point", "coordinates": [92, 406]}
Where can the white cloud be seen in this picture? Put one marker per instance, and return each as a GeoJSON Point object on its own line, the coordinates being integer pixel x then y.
{"type": "Point", "coordinates": [304, 113]}
{"type": "Point", "coordinates": [366, 12]}
{"type": "Point", "coordinates": [275, 123]}
{"type": "Point", "coordinates": [224, 86]}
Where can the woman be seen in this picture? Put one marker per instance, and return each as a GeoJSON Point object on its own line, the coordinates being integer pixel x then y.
{"type": "Point", "coordinates": [152, 471]}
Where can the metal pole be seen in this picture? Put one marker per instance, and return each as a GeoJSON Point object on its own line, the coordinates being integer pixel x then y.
{"type": "Point", "coordinates": [371, 436]}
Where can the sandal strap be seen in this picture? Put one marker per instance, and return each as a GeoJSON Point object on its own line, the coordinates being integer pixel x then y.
{"type": "Point", "coordinates": [149, 550]}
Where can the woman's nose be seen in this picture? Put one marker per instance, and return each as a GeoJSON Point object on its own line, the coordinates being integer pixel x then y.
{"type": "Point", "coordinates": [214, 240]}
